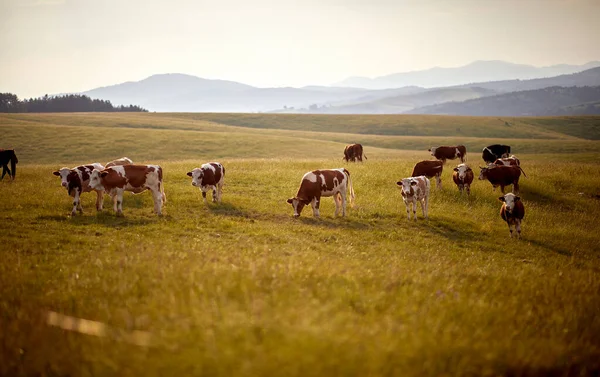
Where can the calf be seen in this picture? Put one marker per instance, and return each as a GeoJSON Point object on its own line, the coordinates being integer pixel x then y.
{"type": "Point", "coordinates": [493, 152]}
{"type": "Point", "coordinates": [77, 181]}
{"type": "Point", "coordinates": [209, 177]}
{"type": "Point", "coordinates": [135, 178]}
{"type": "Point", "coordinates": [512, 212]}
{"type": "Point", "coordinates": [444, 153]}
{"type": "Point", "coordinates": [430, 169]}
{"type": "Point", "coordinates": [354, 152]}
{"type": "Point", "coordinates": [318, 183]}
{"type": "Point", "coordinates": [6, 156]}
{"type": "Point", "coordinates": [508, 161]}
{"type": "Point", "coordinates": [463, 177]}
{"type": "Point", "coordinates": [415, 189]}
{"type": "Point", "coordinates": [119, 161]}
{"type": "Point", "coordinates": [501, 175]}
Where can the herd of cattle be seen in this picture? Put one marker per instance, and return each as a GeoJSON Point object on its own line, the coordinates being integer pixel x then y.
{"type": "Point", "coordinates": [122, 175]}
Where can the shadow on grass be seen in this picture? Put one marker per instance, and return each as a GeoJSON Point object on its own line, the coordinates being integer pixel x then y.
{"type": "Point", "coordinates": [548, 246]}
{"type": "Point", "coordinates": [104, 219]}
{"type": "Point", "coordinates": [453, 229]}
{"type": "Point", "coordinates": [228, 209]}
{"type": "Point", "coordinates": [334, 222]}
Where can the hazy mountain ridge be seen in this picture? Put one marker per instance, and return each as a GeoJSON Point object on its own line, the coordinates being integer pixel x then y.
{"type": "Point", "coordinates": [548, 101]}
{"type": "Point", "coordinates": [478, 71]}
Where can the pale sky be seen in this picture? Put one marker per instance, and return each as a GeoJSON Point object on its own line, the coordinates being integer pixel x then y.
{"type": "Point", "coordinates": [54, 46]}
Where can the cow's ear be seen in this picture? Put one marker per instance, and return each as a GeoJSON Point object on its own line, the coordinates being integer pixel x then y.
{"type": "Point", "coordinates": [399, 183]}
{"type": "Point", "coordinates": [429, 150]}
{"type": "Point", "coordinates": [502, 199]}
{"type": "Point", "coordinates": [56, 172]}
{"type": "Point", "coordinates": [189, 174]}
{"type": "Point", "coordinates": [103, 173]}
{"type": "Point", "coordinates": [290, 200]}
{"type": "Point", "coordinates": [517, 198]}
{"type": "Point", "coordinates": [455, 169]}
{"type": "Point", "coordinates": [413, 183]}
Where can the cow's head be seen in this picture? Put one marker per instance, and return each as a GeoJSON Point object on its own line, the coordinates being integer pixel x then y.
{"type": "Point", "coordinates": [509, 201]}
{"type": "Point", "coordinates": [432, 151]}
{"type": "Point", "coordinates": [462, 170]}
{"type": "Point", "coordinates": [406, 185]}
{"type": "Point", "coordinates": [63, 173]}
{"type": "Point", "coordinates": [96, 179]}
{"type": "Point", "coordinates": [484, 171]}
{"type": "Point", "coordinates": [197, 174]}
{"type": "Point", "coordinates": [297, 204]}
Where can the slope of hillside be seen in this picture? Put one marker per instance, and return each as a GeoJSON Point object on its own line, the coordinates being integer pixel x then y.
{"type": "Point", "coordinates": [541, 102]}
{"type": "Point", "coordinates": [479, 71]}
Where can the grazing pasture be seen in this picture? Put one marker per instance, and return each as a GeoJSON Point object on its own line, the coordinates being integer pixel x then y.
{"type": "Point", "coordinates": [242, 288]}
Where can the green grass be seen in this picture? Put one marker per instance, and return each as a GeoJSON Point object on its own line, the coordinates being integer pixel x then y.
{"type": "Point", "coordinates": [242, 288]}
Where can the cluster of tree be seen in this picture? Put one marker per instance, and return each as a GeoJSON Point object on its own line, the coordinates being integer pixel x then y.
{"type": "Point", "coordinates": [10, 103]}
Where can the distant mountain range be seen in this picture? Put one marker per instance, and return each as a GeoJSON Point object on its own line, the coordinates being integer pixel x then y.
{"type": "Point", "coordinates": [186, 93]}
{"type": "Point", "coordinates": [478, 71]}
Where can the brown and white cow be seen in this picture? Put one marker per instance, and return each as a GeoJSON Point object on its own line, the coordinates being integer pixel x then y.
{"type": "Point", "coordinates": [501, 175]}
{"type": "Point", "coordinates": [463, 177]}
{"type": "Point", "coordinates": [512, 212]}
{"type": "Point", "coordinates": [444, 153]}
{"type": "Point", "coordinates": [415, 189]}
{"type": "Point", "coordinates": [119, 161]}
{"type": "Point", "coordinates": [508, 161]}
{"type": "Point", "coordinates": [209, 176]}
{"type": "Point", "coordinates": [430, 169]}
{"type": "Point", "coordinates": [77, 181]}
{"type": "Point", "coordinates": [135, 178]}
{"type": "Point", "coordinates": [354, 152]}
{"type": "Point", "coordinates": [318, 183]}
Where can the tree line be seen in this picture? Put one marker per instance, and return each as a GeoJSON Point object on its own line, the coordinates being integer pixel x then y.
{"type": "Point", "coordinates": [10, 103]}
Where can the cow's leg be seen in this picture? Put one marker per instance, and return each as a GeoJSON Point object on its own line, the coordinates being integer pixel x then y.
{"type": "Point", "coordinates": [516, 188]}
{"type": "Point", "coordinates": [407, 204]}
{"type": "Point", "coordinates": [468, 188]}
{"type": "Point", "coordinates": [119, 202]}
{"type": "Point", "coordinates": [343, 201]}
{"type": "Point", "coordinates": [99, 200]}
{"type": "Point", "coordinates": [215, 195]}
{"type": "Point", "coordinates": [414, 207]}
{"type": "Point", "coordinates": [425, 206]}
{"type": "Point", "coordinates": [518, 227]}
{"type": "Point", "coordinates": [219, 191]}
{"type": "Point", "coordinates": [438, 178]}
{"type": "Point", "coordinates": [502, 188]}
{"type": "Point", "coordinates": [204, 196]}
{"type": "Point", "coordinates": [113, 196]}
{"type": "Point", "coordinates": [5, 170]}
{"type": "Point", "coordinates": [157, 196]}
{"type": "Point", "coordinates": [315, 206]}
{"type": "Point", "coordinates": [76, 203]}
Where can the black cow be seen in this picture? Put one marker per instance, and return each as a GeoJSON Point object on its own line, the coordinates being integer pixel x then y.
{"type": "Point", "coordinates": [493, 152]}
{"type": "Point", "coordinates": [6, 156]}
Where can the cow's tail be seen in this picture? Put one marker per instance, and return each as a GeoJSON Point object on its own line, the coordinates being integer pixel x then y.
{"type": "Point", "coordinates": [350, 188]}
{"type": "Point", "coordinates": [161, 185]}
{"type": "Point", "coordinates": [522, 171]}
{"type": "Point", "coordinates": [365, 156]}
{"type": "Point", "coordinates": [13, 165]}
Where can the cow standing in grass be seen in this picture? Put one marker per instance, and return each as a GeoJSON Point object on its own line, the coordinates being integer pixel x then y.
{"type": "Point", "coordinates": [444, 153]}
{"type": "Point", "coordinates": [512, 212]}
{"type": "Point", "coordinates": [209, 176]}
{"type": "Point", "coordinates": [430, 169]}
{"type": "Point", "coordinates": [463, 177]}
{"type": "Point", "coordinates": [501, 175]}
{"type": "Point", "coordinates": [135, 178]}
{"type": "Point", "coordinates": [6, 156]}
{"type": "Point", "coordinates": [77, 181]}
{"type": "Point", "coordinates": [415, 189]}
{"type": "Point", "coordinates": [354, 152]}
{"type": "Point", "coordinates": [318, 183]}
{"type": "Point", "coordinates": [493, 152]}
{"type": "Point", "coordinates": [119, 161]}
{"type": "Point", "coordinates": [508, 161]}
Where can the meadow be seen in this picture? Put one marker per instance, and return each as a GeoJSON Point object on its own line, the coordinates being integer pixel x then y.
{"type": "Point", "coordinates": [242, 288]}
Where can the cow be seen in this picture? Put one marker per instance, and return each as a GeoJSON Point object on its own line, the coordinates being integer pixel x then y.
{"type": "Point", "coordinates": [209, 176]}
{"type": "Point", "coordinates": [508, 161]}
{"type": "Point", "coordinates": [493, 152]}
{"type": "Point", "coordinates": [415, 189]}
{"type": "Point", "coordinates": [430, 169]}
{"type": "Point", "coordinates": [6, 156]}
{"type": "Point", "coordinates": [354, 152]}
{"type": "Point", "coordinates": [119, 161]}
{"type": "Point", "coordinates": [444, 153]}
{"type": "Point", "coordinates": [463, 177]}
{"type": "Point", "coordinates": [77, 181]}
{"type": "Point", "coordinates": [135, 178]}
{"type": "Point", "coordinates": [318, 183]}
{"type": "Point", "coordinates": [501, 175]}
{"type": "Point", "coordinates": [512, 212]}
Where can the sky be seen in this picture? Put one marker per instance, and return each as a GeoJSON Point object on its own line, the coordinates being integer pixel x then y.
{"type": "Point", "coordinates": [58, 46]}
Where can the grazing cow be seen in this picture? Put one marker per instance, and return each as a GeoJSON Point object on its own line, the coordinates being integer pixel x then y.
{"type": "Point", "coordinates": [493, 152]}
{"type": "Point", "coordinates": [430, 169]}
{"type": "Point", "coordinates": [501, 175]}
{"type": "Point", "coordinates": [135, 178]}
{"type": "Point", "coordinates": [444, 153]}
{"type": "Point", "coordinates": [415, 189]}
{"type": "Point", "coordinates": [209, 177]}
{"type": "Point", "coordinates": [318, 183]}
{"type": "Point", "coordinates": [119, 161]}
{"type": "Point", "coordinates": [354, 152]}
{"type": "Point", "coordinates": [6, 156]}
{"type": "Point", "coordinates": [463, 177]}
{"type": "Point", "coordinates": [512, 212]}
{"type": "Point", "coordinates": [77, 181]}
{"type": "Point", "coordinates": [508, 161]}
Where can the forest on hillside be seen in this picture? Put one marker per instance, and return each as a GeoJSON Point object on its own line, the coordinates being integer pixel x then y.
{"type": "Point", "coordinates": [68, 103]}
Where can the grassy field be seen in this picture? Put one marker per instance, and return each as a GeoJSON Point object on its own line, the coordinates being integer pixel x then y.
{"type": "Point", "coordinates": [244, 289]}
